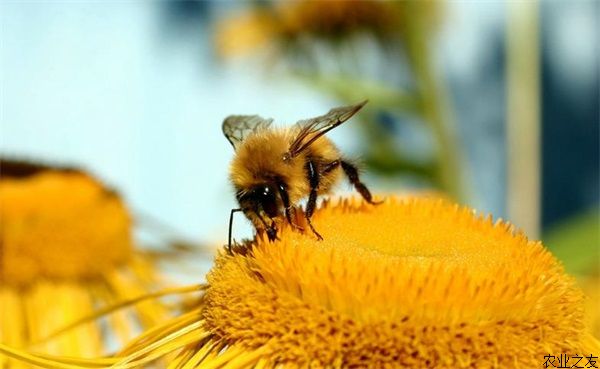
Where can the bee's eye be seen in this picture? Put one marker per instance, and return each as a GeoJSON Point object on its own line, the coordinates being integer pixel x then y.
{"type": "Point", "coordinates": [268, 201]}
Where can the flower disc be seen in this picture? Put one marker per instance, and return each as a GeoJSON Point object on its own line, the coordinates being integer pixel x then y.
{"type": "Point", "coordinates": [414, 282]}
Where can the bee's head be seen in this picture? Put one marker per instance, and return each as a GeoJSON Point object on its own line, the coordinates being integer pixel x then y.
{"type": "Point", "coordinates": [260, 199]}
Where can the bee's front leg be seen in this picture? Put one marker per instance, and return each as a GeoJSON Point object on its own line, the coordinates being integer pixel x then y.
{"type": "Point", "coordinates": [272, 233]}
{"type": "Point", "coordinates": [313, 179]}
{"type": "Point", "coordinates": [268, 225]}
{"type": "Point", "coordinates": [287, 208]}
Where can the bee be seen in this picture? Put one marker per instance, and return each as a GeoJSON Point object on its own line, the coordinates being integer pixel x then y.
{"type": "Point", "coordinates": [275, 168]}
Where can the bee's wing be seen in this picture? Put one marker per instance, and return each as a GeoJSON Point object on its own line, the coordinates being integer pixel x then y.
{"type": "Point", "coordinates": [237, 127]}
{"type": "Point", "coordinates": [310, 130]}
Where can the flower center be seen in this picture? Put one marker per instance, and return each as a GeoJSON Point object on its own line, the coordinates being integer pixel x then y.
{"type": "Point", "coordinates": [411, 279]}
{"type": "Point", "coordinates": [58, 224]}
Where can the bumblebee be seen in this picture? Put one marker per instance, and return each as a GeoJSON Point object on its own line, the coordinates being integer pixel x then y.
{"type": "Point", "coordinates": [275, 168]}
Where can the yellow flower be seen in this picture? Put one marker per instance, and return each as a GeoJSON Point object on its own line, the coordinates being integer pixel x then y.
{"type": "Point", "coordinates": [66, 251]}
{"type": "Point", "coordinates": [417, 283]}
{"type": "Point", "coordinates": [291, 22]}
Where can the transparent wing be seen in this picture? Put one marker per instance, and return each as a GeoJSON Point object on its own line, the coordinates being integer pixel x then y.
{"type": "Point", "coordinates": [237, 127]}
{"type": "Point", "coordinates": [310, 130]}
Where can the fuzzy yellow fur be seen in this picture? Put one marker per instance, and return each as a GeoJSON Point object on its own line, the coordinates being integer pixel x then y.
{"type": "Point", "coordinates": [259, 159]}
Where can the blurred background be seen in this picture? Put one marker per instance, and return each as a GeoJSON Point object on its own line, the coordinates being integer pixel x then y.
{"type": "Point", "coordinates": [495, 104]}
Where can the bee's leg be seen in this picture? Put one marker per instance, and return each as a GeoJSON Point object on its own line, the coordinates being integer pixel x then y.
{"type": "Point", "coordinates": [313, 179]}
{"type": "Point", "coordinates": [285, 198]}
{"type": "Point", "coordinates": [331, 166]}
{"type": "Point", "coordinates": [230, 227]}
{"type": "Point", "coordinates": [352, 174]}
{"type": "Point", "coordinates": [270, 229]}
{"type": "Point", "coordinates": [272, 233]}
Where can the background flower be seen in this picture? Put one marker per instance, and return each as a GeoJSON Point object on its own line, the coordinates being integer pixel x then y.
{"type": "Point", "coordinates": [66, 252]}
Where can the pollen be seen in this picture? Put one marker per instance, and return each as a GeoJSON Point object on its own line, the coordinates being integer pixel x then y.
{"type": "Point", "coordinates": [413, 282]}
{"type": "Point", "coordinates": [60, 224]}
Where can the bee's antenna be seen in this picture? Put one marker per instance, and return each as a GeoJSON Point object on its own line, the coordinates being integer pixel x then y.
{"type": "Point", "coordinates": [230, 227]}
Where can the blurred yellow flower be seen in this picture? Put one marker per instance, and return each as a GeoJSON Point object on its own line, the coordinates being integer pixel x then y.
{"type": "Point", "coordinates": [66, 251]}
{"type": "Point", "coordinates": [417, 282]}
{"type": "Point", "coordinates": [288, 22]}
